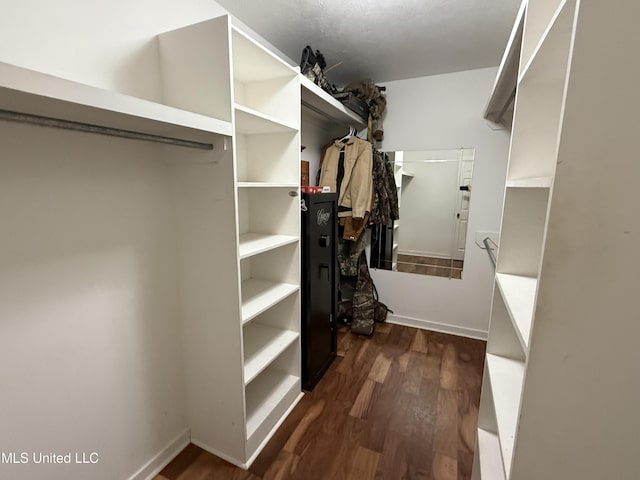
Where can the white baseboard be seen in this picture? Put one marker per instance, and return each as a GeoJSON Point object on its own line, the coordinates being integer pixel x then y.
{"type": "Point", "coordinates": [437, 327]}
{"type": "Point", "coordinates": [154, 466]}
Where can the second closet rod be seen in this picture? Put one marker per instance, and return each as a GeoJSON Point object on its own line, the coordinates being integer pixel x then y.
{"type": "Point", "coordinates": [97, 129]}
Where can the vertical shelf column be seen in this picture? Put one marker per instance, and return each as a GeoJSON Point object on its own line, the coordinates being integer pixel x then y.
{"type": "Point", "coordinates": [266, 94]}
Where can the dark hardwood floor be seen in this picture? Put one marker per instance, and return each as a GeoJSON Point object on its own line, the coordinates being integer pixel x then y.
{"type": "Point", "coordinates": [402, 404]}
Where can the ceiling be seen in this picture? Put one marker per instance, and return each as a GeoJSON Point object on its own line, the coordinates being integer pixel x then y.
{"type": "Point", "coordinates": [384, 39]}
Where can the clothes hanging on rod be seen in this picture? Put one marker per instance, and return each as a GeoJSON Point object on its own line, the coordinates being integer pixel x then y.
{"type": "Point", "coordinates": [356, 187]}
{"type": "Point", "coordinates": [385, 193]}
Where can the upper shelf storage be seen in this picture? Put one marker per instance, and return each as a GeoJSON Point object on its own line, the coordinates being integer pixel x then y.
{"type": "Point", "coordinates": [34, 93]}
{"type": "Point", "coordinates": [539, 14]}
{"type": "Point", "coordinates": [549, 61]}
{"type": "Point", "coordinates": [264, 84]}
{"type": "Point", "coordinates": [500, 105]}
{"type": "Point", "coordinates": [541, 88]}
{"type": "Point", "coordinates": [326, 107]}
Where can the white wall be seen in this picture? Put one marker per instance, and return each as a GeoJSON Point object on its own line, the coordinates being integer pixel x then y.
{"type": "Point", "coordinates": [89, 334]}
{"type": "Point", "coordinates": [442, 112]}
{"type": "Point", "coordinates": [89, 331]}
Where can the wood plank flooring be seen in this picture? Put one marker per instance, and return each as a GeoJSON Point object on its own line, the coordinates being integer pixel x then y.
{"type": "Point", "coordinates": [402, 404]}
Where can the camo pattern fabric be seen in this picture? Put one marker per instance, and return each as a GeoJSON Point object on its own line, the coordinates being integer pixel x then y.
{"type": "Point", "coordinates": [370, 93]}
{"type": "Point", "coordinates": [316, 75]}
{"type": "Point", "coordinates": [348, 253]}
{"type": "Point", "coordinates": [385, 197]}
{"type": "Point", "coordinates": [363, 305]}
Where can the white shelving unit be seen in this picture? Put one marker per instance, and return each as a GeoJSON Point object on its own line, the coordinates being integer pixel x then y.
{"type": "Point", "coordinates": [556, 398]}
{"type": "Point", "coordinates": [244, 363]}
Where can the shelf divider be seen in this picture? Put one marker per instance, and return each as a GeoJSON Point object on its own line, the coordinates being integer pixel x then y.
{"type": "Point", "coordinates": [519, 293]}
{"type": "Point", "coordinates": [490, 455]}
{"type": "Point", "coordinates": [260, 295]}
{"type": "Point", "coordinates": [255, 243]}
{"type": "Point", "coordinates": [250, 121]}
{"type": "Point", "coordinates": [506, 377]}
{"type": "Point", "coordinates": [267, 185]}
{"type": "Point", "coordinates": [269, 395]}
{"type": "Point", "coordinates": [262, 345]}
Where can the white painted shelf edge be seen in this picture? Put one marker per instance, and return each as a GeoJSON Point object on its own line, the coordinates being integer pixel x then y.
{"type": "Point", "coordinates": [560, 25]}
{"type": "Point", "coordinates": [255, 243]}
{"type": "Point", "coordinates": [519, 294]}
{"type": "Point", "coordinates": [316, 99]}
{"type": "Point", "coordinates": [488, 449]}
{"type": "Point", "coordinates": [507, 75]}
{"type": "Point", "coordinates": [262, 345]}
{"type": "Point", "coordinates": [267, 185]}
{"type": "Point", "coordinates": [249, 114]}
{"type": "Point", "coordinates": [285, 66]}
{"type": "Point", "coordinates": [533, 182]}
{"type": "Point", "coordinates": [260, 295]}
{"type": "Point", "coordinates": [506, 377]}
{"type": "Point", "coordinates": [268, 390]}
{"type": "Point", "coordinates": [36, 93]}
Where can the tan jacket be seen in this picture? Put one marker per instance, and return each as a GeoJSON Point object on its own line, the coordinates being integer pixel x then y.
{"type": "Point", "coordinates": [356, 189]}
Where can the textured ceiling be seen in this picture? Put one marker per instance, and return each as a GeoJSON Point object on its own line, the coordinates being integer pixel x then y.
{"type": "Point", "coordinates": [384, 39]}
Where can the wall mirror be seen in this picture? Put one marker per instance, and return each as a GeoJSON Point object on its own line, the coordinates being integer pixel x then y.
{"type": "Point", "coordinates": [434, 193]}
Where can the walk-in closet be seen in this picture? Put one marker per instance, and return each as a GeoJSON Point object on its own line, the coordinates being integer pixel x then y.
{"type": "Point", "coordinates": [278, 240]}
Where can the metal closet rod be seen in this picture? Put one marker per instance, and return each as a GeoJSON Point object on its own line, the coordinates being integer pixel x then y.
{"type": "Point", "coordinates": [492, 256]}
{"type": "Point", "coordinates": [89, 128]}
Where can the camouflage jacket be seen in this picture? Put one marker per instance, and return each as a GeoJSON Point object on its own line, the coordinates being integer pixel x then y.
{"type": "Point", "coordinates": [385, 193]}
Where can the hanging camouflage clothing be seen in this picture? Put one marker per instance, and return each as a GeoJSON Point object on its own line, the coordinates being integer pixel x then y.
{"type": "Point", "coordinates": [394, 206]}
{"type": "Point", "coordinates": [366, 310]}
{"type": "Point", "coordinates": [348, 253]}
{"type": "Point", "coordinates": [363, 308]}
{"type": "Point", "coordinates": [385, 200]}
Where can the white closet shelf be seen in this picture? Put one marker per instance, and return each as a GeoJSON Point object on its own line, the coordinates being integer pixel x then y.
{"type": "Point", "coordinates": [488, 446]}
{"type": "Point", "coordinates": [320, 102]}
{"type": "Point", "coordinates": [30, 92]}
{"type": "Point", "coordinates": [549, 61]}
{"type": "Point", "coordinates": [506, 377]}
{"type": "Point", "coordinates": [534, 182]}
{"type": "Point", "coordinates": [504, 87]}
{"type": "Point", "coordinates": [267, 185]}
{"type": "Point", "coordinates": [254, 63]}
{"type": "Point", "coordinates": [253, 122]}
{"type": "Point", "coordinates": [260, 295]}
{"type": "Point", "coordinates": [519, 294]}
{"type": "Point", "coordinates": [268, 397]}
{"type": "Point", "coordinates": [262, 345]}
{"type": "Point", "coordinates": [255, 243]}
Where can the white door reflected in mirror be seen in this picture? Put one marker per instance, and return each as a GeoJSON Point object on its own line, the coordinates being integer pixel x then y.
{"type": "Point", "coordinates": [434, 194]}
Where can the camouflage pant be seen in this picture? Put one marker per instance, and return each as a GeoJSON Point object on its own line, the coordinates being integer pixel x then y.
{"type": "Point", "coordinates": [349, 253]}
{"type": "Point", "coordinates": [363, 305]}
